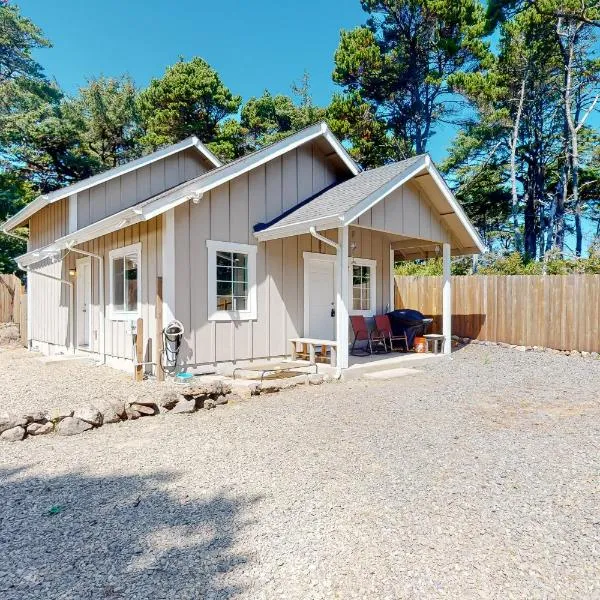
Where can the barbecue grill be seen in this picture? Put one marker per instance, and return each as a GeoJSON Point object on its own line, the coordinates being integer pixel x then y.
{"type": "Point", "coordinates": [409, 322]}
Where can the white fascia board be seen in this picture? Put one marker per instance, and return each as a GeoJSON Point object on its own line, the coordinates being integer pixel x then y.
{"type": "Point", "coordinates": [340, 150]}
{"type": "Point", "coordinates": [211, 180]}
{"type": "Point", "coordinates": [42, 201]}
{"type": "Point", "coordinates": [386, 189]}
{"type": "Point", "coordinates": [275, 233]}
{"type": "Point", "coordinates": [115, 222]}
{"type": "Point", "coordinates": [455, 205]}
{"type": "Point", "coordinates": [24, 214]}
{"type": "Point", "coordinates": [206, 152]}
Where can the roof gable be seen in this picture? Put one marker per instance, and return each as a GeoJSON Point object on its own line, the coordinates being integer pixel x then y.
{"type": "Point", "coordinates": [90, 182]}
{"type": "Point", "coordinates": [195, 188]}
{"type": "Point", "coordinates": [344, 203]}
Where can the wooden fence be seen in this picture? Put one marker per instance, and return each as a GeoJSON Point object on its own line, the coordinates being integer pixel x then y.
{"type": "Point", "coordinates": [13, 303]}
{"type": "Point", "coordinates": [554, 311]}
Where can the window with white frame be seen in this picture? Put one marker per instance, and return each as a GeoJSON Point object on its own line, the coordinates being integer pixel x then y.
{"type": "Point", "coordinates": [125, 284]}
{"type": "Point", "coordinates": [231, 281]}
{"type": "Point", "coordinates": [363, 282]}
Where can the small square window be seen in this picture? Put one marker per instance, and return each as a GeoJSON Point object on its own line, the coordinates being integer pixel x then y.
{"type": "Point", "coordinates": [232, 286]}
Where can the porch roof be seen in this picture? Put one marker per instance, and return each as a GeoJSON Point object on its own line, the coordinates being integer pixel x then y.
{"type": "Point", "coordinates": [344, 203]}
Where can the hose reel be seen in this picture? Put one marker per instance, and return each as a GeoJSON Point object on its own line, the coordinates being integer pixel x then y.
{"type": "Point", "coordinates": [172, 336]}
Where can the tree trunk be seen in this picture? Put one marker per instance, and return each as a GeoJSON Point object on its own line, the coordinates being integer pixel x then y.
{"type": "Point", "coordinates": [513, 170]}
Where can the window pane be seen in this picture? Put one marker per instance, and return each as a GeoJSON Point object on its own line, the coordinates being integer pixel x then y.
{"type": "Point", "coordinates": [240, 274]}
{"type": "Point", "coordinates": [118, 299]}
{"type": "Point", "coordinates": [223, 288]}
{"type": "Point", "coordinates": [223, 273]}
{"type": "Point", "coordinates": [240, 288]}
{"type": "Point", "coordinates": [356, 303]}
{"type": "Point", "coordinates": [240, 260]}
{"type": "Point", "coordinates": [224, 303]}
{"type": "Point", "coordinates": [224, 259]}
{"type": "Point", "coordinates": [366, 273]}
{"type": "Point", "coordinates": [366, 299]}
{"type": "Point", "coordinates": [240, 303]}
{"type": "Point", "coordinates": [131, 282]}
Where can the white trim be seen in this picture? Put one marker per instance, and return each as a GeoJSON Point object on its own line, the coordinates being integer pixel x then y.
{"type": "Point", "coordinates": [392, 280]}
{"type": "Point", "coordinates": [342, 317]}
{"type": "Point", "coordinates": [168, 266]}
{"type": "Point", "coordinates": [44, 200]}
{"type": "Point", "coordinates": [340, 150]}
{"type": "Point", "coordinates": [231, 315]}
{"type": "Point", "coordinates": [122, 315]}
{"type": "Point", "coordinates": [447, 299]}
{"type": "Point", "coordinates": [276, 233]}
{"type": "Point", "coordinates": [455, 205]}
{"type": "Point", "coordinates": [72, 213]}
{"type": "Point", "coordinates": [309, 257]}
{"type": "Point", "coordinates": [372, 264]}
{"type": "Point", "coordinates": [78, 263]}
{"type": "Point", "coordinates": [213, 179]}
{"type": "Point", "coordinates": [385, 190]}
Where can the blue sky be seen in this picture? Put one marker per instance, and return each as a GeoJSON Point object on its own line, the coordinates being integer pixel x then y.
{"type": "Point", "coordinates": [254, 45]}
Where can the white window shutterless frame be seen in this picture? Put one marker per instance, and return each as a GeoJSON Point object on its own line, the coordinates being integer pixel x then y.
{"type": "Point", "coordinates": [231, 281]}
{"type": "Point", "coordinates": [363, 287]}
{"type": "Point", "coordinates": [125, 268]}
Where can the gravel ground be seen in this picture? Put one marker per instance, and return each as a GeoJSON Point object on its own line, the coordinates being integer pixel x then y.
{"type": "Point", "coordinates": [476, 478]}
{"type": "Point", "coordinates": [29, 382]}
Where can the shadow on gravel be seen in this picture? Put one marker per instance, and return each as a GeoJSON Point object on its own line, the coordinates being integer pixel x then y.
{"type": "Point", "coordinates": [76, 536]}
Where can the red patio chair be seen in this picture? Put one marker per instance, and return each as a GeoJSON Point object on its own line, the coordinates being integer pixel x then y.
{"type": "Point", "coordinates": [382, 322]}
{"type": "Point", "coordinates": [362, 334]}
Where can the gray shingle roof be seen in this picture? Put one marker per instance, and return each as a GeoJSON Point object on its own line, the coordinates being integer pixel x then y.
{"type": "Point", "coordinates": [339, 199]}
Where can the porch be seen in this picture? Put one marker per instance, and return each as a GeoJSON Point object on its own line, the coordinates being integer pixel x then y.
{"type": "Point", "coordinates": [400, 211]}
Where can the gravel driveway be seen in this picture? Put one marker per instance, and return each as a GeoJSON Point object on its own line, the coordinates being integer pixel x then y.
{"type": "Point", "coordinates": [476, 478]}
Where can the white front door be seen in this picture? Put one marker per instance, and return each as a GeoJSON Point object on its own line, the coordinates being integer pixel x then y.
{"type": "Point", "coordinates": [84, 299]}
{"type": "Point", "coordinates": [319, 296]}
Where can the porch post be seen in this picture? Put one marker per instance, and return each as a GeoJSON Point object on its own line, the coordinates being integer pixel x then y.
{"type": "Point", "coordinates": [341, 309]}
{"type": "Point", "coordinates": [447, 301]}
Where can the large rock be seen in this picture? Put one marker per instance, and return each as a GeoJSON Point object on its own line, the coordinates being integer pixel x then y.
{"type": "Point", "coordinates": [112, 410]}
{"type": "Point", "coordinates": [72, 426]}
{"type": "Point", "coordinates": [184, 406]}
{"type": "Point", "coordinates": [36, 416]}
{"type": "Point", "coordinates": [145, 409]}
{"type": "Point", "coordinates": [170, 399]}
{"type": "Point", "coordinates": [40, 428]}
{"type": "Point", "coordinates": [88, 413]}
{"type": "Point", "coordinates": [14, 434]}
{"type": "Point", "coordinates": [10, 421]}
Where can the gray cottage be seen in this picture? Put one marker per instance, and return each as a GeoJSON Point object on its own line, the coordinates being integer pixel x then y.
{"type": "Point", "coordinates": [283, 243]}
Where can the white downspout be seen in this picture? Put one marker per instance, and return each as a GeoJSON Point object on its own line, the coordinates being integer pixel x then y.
{"type": "Point", "coordinates": [101, 301]}
{"type": "Point", "coordinates": [30, 271]}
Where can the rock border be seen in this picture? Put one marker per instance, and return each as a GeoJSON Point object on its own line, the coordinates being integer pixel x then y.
{"type": "Point", "coordinates": [576, 353]}
{"type": "Point", "coordinates": [177, 399]}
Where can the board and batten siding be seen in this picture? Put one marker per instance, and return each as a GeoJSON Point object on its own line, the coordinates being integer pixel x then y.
{"type": "Point", "coordinates": [50, 299]}
{"type": "Point", "coordinates": [48, 224]}
{"type": "Point", "coordinates": [228, 213]}
{"type": "Point", "coordinates": [408, 212]}
{"type": "Point", "coordinates": [136, 186]}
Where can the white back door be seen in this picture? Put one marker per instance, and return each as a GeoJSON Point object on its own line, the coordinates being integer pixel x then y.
{"type": "Point", "coordinates": [319, 296]}
{"type": "Point", "coordinates": [84, 300]}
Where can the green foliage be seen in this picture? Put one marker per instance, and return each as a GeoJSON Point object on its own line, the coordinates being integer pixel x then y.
{"type": "Point", "coordinates": [18, 37]}
{"type": "Point", "coordinates": [190, 99]}
{"type": "Point", "coordinates": [512, 263]}
{"type": "Point", "coordinates": [401, 65]}
{"type": "Point", "coordinates": [108, 120]}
